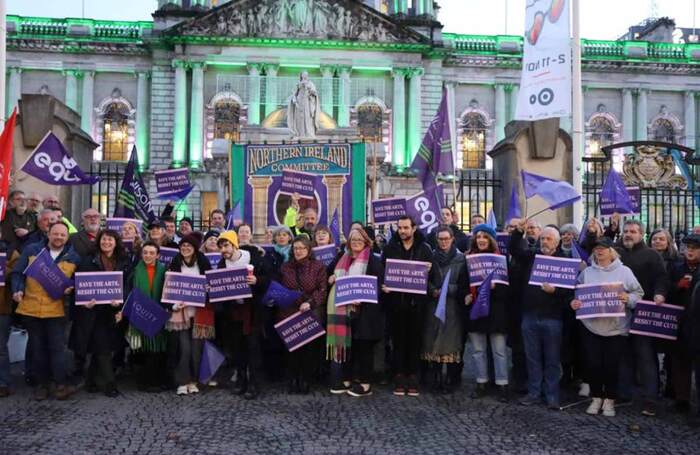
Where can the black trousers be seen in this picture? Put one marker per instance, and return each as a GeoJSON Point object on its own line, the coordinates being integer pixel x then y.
{"type": "Point", "coordinates": [603, 356]}
{"type": "Point", "coordinates": [407, 333]}
{"type": "Point", "coordinates": [363, 360]}
{"type": "Point", "coordinates": [244, 350]}
{"type": "Point", "coordinates": [301, 363]}
{"type": "Point", "coordinates": [153, 369]}
{"type": "Point", "coordinates": [101, 371]}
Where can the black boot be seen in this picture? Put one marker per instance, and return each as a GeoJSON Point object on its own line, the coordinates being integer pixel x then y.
{"type": "Point", "coordinates": [436, 377]}
{"type": "Point", "coordinates": [503, 395]}
{"type": "Point", "coordinates": [479, 391]}
{"type": "Point", "coordinates": [303, 385]}
{"type": "Point", "coordinates": [251, 392]}
{"type": "Point", "coordinates": [239, 385]}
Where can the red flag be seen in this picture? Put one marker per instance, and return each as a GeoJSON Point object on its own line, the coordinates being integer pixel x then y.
{"type": "Point", "coordinates": [6, 142]}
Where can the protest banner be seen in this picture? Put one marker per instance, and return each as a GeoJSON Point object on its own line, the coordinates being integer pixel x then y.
{"type": "Point", "coordinates": [183, 288]}
{"type": "Point", "coordinates": [301, 183]}
{"type": "Point", "coordinates": [171, 182]}
{"type": "Point", "coordinates": [555, 271]}
{"type": "Point", "coordinates": [503, 239]}
{"type": "Point", "coordinates": [600, 300]}
{"type": "Point", "coordinates": [481, 265]}
{"type": "Point", "coordinates": [325, 254]}
{"type": "Point", "coordinates": [356, 289]}
{"type": "Point", "coordinates": [116, 224]}
{"type": "Point", "coordinates": [144, 313]}
{"type": "Point", "coordinates": [44, 271]}
{"type": "Point", "coordinates": [103, 287]}
{"type": "Point", "coordinates": [228, 284]}
{"type": "Point", "coordinates": [387, 211]}
{"type": "Point", "coordinates": [406, 276]}
{"type": "Point", "coordinates": [299, 329]}
{"type": "Point", "coordinates": [658, 321]}
{"type": "Point", "coordinates": [167, 255]}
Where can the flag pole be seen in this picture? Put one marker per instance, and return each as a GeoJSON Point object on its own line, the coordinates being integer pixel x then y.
{"type": "Point", "coordinates": [577, 113]}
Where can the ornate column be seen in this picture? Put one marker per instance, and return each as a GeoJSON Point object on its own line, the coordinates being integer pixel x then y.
{"type": "Point", "coordinates": [142, 119]}
{"type": "Point", "coordinates": [513, 101]}
{"type": "Point", "coordinates": [260, 186]}
{"type": "Point", "coordinates": [271, 101]}
{"type": "Point", "coordinates": [398, 114]}
{"type": "Point", "coordinates": [197, 115]}
{"type": "Point", "coordinates": [72, 77]}
{"type": "Point", "coordinates": [689, 115]}
{"type": "Point", "coordinates": [414, 114]}
{"type": "Point", "coordinates": [14, 89]}
{"type": "Point", "coordinates": [344, 96]}
{"type": "Point", "coordinates": [327, 89]}
{"type": "Point", "coordinates": [86, 109]}
{"type": "Point", "coordinates": [627, 115]}
{"type": "Point", "coordinates": [334, 185]}
{"type": "Point", "coordinates": [254, 98]}
{"type": "Point", "coordinates": [180, 114]}
{"type": "Point", "coordinates": [500, 110]}
{"type": "Point", "coordinates": [641, 131]}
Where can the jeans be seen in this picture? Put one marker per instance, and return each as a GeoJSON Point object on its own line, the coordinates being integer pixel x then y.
{"type": "Point", "coordinates": [500, 360]}
{"type": "Point", "coordinates": [4, 353]}
{"type": "Point", "coordinates": [48, 351]}
{"type": "Point", "coordinates": [542, 339]}
{"type": "Point", "coordinates": [181, 362]}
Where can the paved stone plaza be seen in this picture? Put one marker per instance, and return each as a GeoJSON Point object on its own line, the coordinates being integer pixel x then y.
{"type": "Point", "coordinates": [217, 422]}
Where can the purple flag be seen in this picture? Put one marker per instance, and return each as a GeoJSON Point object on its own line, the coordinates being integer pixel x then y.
{"type": "Point", "coordinates": [50, 162]}
{"type": "Point", "coordinates": [441, 309]}
{"type": "Point", "coordinates": [578, 253]}
{"type": "Point", "coordinates": [234, 217]}
{"type": "Point", "coordinates": [335, 227]}
{"type": "Point", "coordinates": [557, 193]}
{"type": "Point", "coordinates": [133, 200]}
{"type": "Point", "coordinates": [531, 182]}
{"type": "Point", "coordinates": [144, 313]}
{"type": "Point", "coordinates": [659, 321]}
{"type": "Point", "coordinates": [184, 288]}
{"type": "Point", "coordinates": [491, 220]}
{"type": "Point", "coordinates": [48, 275]}
{"type": "Point", "coordinates": [356, 288]}
{"type": "Point", "coordinates": [502, 239]}
{"type": "Point", "coordinates": [614, 197]}
{"type": "Point", "coordinates": [280, 296]}
{"type": "Point", "coordinates": [424, 208]}
{"type": "Point", "coordinates": [299, 329]}
{"type": "Point", "coordinates": [103, 287]}
{"type": "Point", "coordinates": [514, 210]}
{"type": "Point", "coordinates": [482, 306]}
{"type": "Point", "coordinates": [212, 359]}
{"type": "Point", "coordinates": [435, 153]}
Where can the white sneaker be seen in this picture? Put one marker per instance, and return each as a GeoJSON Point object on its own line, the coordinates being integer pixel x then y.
{"type": "Point", "coordinates": [182, 390]}
{"type": "Point", "coordinates": [609, 408]}
{"type": "Point", "coordinates": [584, 390]}
{"type": "Point", "coordinates": [192, 388]}
{"type": "Point", "coordinates": [594, 407]}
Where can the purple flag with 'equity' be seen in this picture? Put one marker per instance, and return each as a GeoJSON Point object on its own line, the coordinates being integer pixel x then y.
{"type": "Point", "coordinates": [50, 162]}
{"type": "Point", "coordinates": [48, 275]}
{"type": "Point", "coordinates": [144, 313]}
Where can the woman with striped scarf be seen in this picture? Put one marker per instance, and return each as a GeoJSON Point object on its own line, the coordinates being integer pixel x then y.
{"type": "Point", "coordinates": [353, 330]}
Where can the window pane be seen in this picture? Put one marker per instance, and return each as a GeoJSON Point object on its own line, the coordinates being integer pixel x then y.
{"type": "Point", "coordinates": [115, 133]}
{"type": "Point", "coordinates": [227, 120]}
{"type": "Point", "coordinates": [369, 122]}
{"type": "Point", "coordinates": [473, 141]}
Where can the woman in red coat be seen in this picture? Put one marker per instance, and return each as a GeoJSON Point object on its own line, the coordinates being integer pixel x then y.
{"type": "Point", "coordinates": [305, 274]}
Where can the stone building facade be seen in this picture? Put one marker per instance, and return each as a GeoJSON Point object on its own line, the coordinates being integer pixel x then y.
{"type": "Point", "coordinates": [180, 87]}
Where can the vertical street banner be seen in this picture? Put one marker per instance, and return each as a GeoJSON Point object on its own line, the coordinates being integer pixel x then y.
{"type": "Point", "coordinates": [545, 82]}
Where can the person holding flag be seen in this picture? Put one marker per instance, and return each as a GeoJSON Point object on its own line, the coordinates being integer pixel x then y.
{"type": "Point", "coordinates": [493, 326]}
{"type": "Point", "coordinates": [44, 314]}
{"type": "Point", "coordinates": [443, 334]}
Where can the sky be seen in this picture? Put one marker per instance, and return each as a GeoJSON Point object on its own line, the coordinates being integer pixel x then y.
{"type": "Point", "coordinates": [600, 19]}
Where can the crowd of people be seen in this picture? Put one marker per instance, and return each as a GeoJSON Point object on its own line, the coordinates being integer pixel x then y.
{"type": "Point", "coordinates": [527, 349]}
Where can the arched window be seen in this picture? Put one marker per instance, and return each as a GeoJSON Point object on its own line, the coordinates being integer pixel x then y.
{"type": "Point", "coordinates": [473, 131]}
{"type": "Point", "coordinates": [115, 136]}
{"type": "Point", "coordinates": [665, 127]}
{"type": "Point", "coordinates": [227, 120]}
{"type": "Point", "coordinates": [601, 132]}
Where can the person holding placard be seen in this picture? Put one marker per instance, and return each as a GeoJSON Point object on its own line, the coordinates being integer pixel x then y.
{"type": "Point", "coordinates": [185, 338]}
{"type": "Point", "coordinates": [353, 330]}
{"type": "Point", "coordinates": [542, 307]}
{"type": "Point", "coordinates": [604, 337]}
{"type": "Point", "coordinates": [44, 316]}
{"type": "Point", "coordinates": [130, 234]}
{"type": "Point", "coordinates": [406, 310]}
{"type": "Point", "coordinates": [94, 330]}
{"type": "Point", "coordinates": [305, 274]}
{"type": "Point", "coordinates": [241, 321]}
{"type": "Point", "coordinates": [245, 240]}
{"type": "Point", "coordinates": [148, 276]}
{"type": "Point", "coordinates": [323, 237]}
{"type": "Point", "coordinates": [210, 242]}
{"type": "Point", "coordinates": [493, 327]}
{"type": "Point", "coordinates": [443, 341]}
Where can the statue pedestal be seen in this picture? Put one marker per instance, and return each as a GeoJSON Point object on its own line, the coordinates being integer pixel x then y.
{"type": "Point", "coordinates": [537, 147]}
{"type": "Point", "coordinates": [259, 134]}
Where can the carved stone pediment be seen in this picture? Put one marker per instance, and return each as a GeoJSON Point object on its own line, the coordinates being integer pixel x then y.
{"type": "Point", "coordinates": [311, 19]}
{"type": "Point", "coordinates": [652, 167]}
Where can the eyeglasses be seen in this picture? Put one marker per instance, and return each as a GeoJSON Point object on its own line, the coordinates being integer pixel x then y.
{"type": "Point", "coordinates": [444, 239]}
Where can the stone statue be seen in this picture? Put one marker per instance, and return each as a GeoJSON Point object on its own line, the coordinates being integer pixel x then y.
{"type": "Point", "coordinates": [304, 108]}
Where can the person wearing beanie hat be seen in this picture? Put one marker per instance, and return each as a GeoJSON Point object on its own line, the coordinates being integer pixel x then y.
{"type": "Point", "coordinates": [209, 244]}
{"type": "Point", "coordinates": [192, 240]}
{"type": "Point", "coordinates": [185, 226]}
{"type": "Point", "coordinates": [229, 236]}
{"type": "Point", "coordinates": [494, 326]}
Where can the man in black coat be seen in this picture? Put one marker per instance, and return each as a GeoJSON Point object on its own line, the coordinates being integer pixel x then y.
{"type": "Point", "coordinates": [649, 269]}
{"type": "Point", "coordinates": [83, 241]}
{"type": "Point", "coordinates": [406, 309]}
{"type": "Point", "coordinates": [542, 324]}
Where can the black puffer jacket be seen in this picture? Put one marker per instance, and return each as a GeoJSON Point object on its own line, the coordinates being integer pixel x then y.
{"type": "Point", "coordinates": [648, 267]}
{"type": "Point", "coordinates": [419, 251]}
